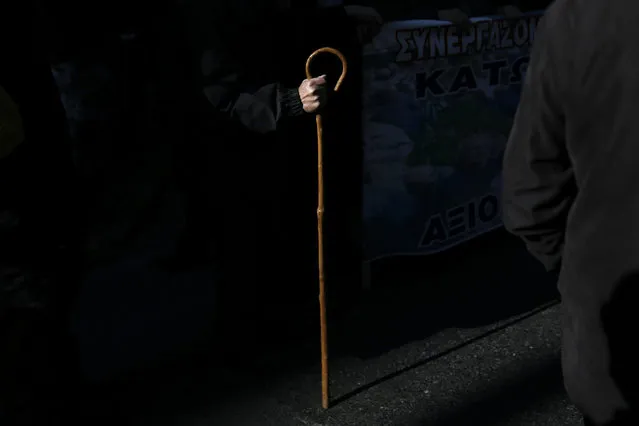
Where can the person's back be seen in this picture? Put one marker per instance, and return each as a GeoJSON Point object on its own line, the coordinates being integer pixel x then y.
{"type": "Point", "coordinates": [601, 251]}
{"type": "Point", "coordinates": [571, 190]}
{"type": "Point", "coordinates": [600, 89]}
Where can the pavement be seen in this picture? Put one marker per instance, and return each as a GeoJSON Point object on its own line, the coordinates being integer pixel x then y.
{"type": "Point", "coordinates": [506, 374]}
{"type": "Point", "coordinates": [482, 352]}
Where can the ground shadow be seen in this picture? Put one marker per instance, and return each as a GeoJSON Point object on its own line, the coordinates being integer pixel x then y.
{"type": "Point", "coordinates": [502, 400]}
{"type": "Point", "coordinates": [438, 355]}
{"type": "Point", "coordinates": [480, 283]}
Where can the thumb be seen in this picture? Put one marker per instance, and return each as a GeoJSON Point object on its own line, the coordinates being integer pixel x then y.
{"type": "Point", "coordinates": [317, 81]}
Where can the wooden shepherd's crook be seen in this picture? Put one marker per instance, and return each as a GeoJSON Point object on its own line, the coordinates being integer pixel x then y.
{"type": "Point", "coordinates": [320, 220]}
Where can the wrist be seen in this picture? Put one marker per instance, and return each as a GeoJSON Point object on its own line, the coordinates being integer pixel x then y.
{"type": "Point", "coordinates": [291, 103]}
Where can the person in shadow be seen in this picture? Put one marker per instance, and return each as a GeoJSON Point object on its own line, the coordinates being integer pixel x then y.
{"type": "Point", "coordinates": [569, 191]}
{"type": "Point", "coordinates": [618, 314]}
{"type": "Point", "coordinates": [40, 232]}
{"type": "Point", "coordinates": [251, 101]}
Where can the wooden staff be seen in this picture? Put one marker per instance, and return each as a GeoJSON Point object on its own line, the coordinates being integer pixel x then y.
{"type": "Point", "coordinates": [320, 221]}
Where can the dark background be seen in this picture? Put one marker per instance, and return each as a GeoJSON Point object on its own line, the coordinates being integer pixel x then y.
{"type": "Point", "coordinates": [485, 280]}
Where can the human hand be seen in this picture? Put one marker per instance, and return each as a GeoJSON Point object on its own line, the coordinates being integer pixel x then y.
{"type": "Point", "coordinates": [367, 20]}
{"type": "Point", "coordinates": [313, 94]}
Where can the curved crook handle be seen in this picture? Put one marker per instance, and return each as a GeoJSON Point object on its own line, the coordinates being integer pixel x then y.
{"type": "Point", "coordinates": [335, 52]}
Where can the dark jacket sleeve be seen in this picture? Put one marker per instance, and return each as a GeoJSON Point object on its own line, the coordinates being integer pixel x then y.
{"type": "Point", "coordinates": [539, 187]}
{"type": "Point", "coordinates": [235, 92]}
{"type": "Point", "coordinates": [258, 108]}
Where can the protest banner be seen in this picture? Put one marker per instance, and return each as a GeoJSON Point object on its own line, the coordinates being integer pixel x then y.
{"type": "Point", "coordinates": [439, 101]}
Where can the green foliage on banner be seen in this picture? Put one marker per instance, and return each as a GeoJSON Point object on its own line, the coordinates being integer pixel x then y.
{"type": "Point", "coordinates": [463, 117]}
